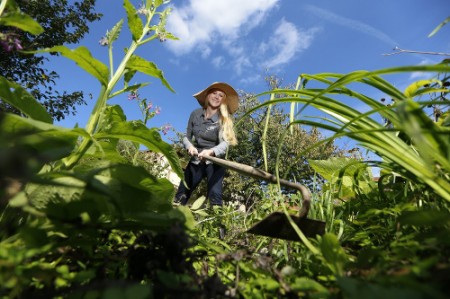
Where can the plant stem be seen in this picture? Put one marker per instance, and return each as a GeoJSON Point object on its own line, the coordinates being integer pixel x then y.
{"type": "Point", "coordinates": [264, 136]}
{"type": "Point", "coordinates": [2, 6]}
{"type": "Point", "coordinates": [97, 112]}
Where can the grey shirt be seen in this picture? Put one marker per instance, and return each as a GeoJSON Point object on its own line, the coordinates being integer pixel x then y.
{"type": "Point", "coordinates": [205, 133]}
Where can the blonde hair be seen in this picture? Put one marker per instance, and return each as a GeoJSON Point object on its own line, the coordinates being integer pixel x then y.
{"type": "Point", "coordinates": [227, 125]}
{"type": "Point", "coordinates": [226, 122]}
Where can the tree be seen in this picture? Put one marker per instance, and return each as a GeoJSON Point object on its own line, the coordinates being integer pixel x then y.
{"type": "Point", "coordinates": [250, 134]}
{"type": "Point", "coordinates": [63, 24]}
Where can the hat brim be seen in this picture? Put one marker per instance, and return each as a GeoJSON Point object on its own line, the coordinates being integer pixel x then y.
{"type": "Point", "coordinates": [232, 99]}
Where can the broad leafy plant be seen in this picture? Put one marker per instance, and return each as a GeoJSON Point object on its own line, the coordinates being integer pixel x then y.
{"type": "Point", "coordinates": [68, 196]}
{"type": "Point", "coordinates": [408, 206]}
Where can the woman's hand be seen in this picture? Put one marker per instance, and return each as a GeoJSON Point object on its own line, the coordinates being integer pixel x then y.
{"type": "Point", "coordinates": [193, 151]}
{"type": "Point", "coordinates": [206, 152]}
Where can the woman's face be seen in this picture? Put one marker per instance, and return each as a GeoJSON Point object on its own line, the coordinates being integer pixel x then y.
{"type": "Point", "coordinates": [215, 98]}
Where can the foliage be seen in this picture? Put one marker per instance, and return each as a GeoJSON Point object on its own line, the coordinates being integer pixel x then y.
{"type": "Point", "coordinates": [80, 219]}
{"type": "Point", "coordinates": [60, 23]}
{"type": "Point", "coordinates": [251, 127]}
{"type": "Point", "coordinates": [73, 209]}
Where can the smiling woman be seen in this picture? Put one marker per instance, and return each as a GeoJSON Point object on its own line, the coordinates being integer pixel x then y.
{"type": "Point", "coordinates": [209, 133]}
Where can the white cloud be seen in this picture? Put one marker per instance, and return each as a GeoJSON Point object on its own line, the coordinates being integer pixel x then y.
{"type": "Point", "coordinates": [353, 24]}
{"type": "Point", "coordinates": [285, 42]}
{"type": "Point", "coordinates": [218, 62]}
{"type": "Point", "coordinates": [423, 75]}
{"type": "Point", "coordinates": [219, 31]}
{"type": "Point", "coordinates": [203, 23]}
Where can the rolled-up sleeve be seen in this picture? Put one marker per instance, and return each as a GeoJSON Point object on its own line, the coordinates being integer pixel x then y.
{"type": "Point", "coordinates": [187, 139]}
{"type": "Point", "coordinates": [220, 149]}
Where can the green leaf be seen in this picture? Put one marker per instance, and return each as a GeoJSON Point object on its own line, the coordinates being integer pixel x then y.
{"type": "Point", "coordinates": [17, 96]}
{"type": "Point", "coordinates": [136, 131]}
{"type": "Point", "coordinates": [156, 3]}
{"type": "Point", "coordinates": [22, 21]}
{"type": "Point", "coordinates": [115, 191]}
{"type": "Point", "coordinates": [130, 88]}
{"type": "Point", "coordinates": [129, 74]}
{"type": "Point", "coordinates": [134, 21]}
{"type": "Point", "coordinates": [38, 140]}
{"type": "Point", "coordinates": [34, 237]}
{"type": "Point", "coordinates": [187, 216]}
{"type": "Point", "coordinates": [353, 288]}
{"type": "Point", "coordinates": [15, 124]}
{"type": "Point", "coordinates": [111, 114]}
{"type": "Point", "coordinates": [425, 218]}
{"type": "Point", "coordinates": [138, 291]}
{"type": "Point", "coordinates": [435, 30]}
{"type": "Point", "coordinates": [84, 59]}
{"type": "Point", "coordinates": [333, 253]}
{"type": "Point", "coordinates": [138, 191]}
{"type": "Point", "coordinates": [115, 32]}
{"type": "Point", "coordinates": [139, 64]}
{"type": "Point", "coordinates": [198, 203]}
{"type": "Point", "coordinates": [307, 284]}
{"type": "Point", "coordinates": [413, 88]}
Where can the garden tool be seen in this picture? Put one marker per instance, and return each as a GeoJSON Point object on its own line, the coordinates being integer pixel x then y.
{"type": "Point", "coordinates": [277, 224]}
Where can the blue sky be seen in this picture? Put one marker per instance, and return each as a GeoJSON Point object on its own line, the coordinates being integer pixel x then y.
{"type": "Point", "coordinates": [239, 41]}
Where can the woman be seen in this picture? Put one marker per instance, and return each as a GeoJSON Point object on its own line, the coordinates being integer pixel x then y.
{"type": "Point", "coordinates": [209, 133]}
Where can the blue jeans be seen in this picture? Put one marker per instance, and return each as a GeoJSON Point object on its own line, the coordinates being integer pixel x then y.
{"type": "Point", "coordinates": [194, 174]}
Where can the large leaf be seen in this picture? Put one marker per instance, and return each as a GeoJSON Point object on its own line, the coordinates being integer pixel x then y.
{"type": "Point", "coordinates": [14, 124]}
{"type": "Point", "coordinates": [136, 131]}
{"type": "Point", "coordinates": [112, 190]}
{"type": "Point", "coordinates": [139, 191]}
{"type": "Point", "coordinates": [112, 113]}
{"type": "Point", "coordinates": [139, 64]}
{"type": "Point", "coordinates": [41, 140]}
{"type": "Point", "coordinates": [84, 59]}
{"type": "Point", "coordinates": [21, 21]}
{"type": "Point", "coordinates": [425, 218]}
{"type": "Point", "coordinates": [17, 96]}
{"type": "Point", "coordinates": [333, 253]}
{"type": "Point", "coordinates": [353, 288]}
{"type": "Point", "coordinates": [348, 173]}
{"type": "Point", "coordinates": [134, 21]}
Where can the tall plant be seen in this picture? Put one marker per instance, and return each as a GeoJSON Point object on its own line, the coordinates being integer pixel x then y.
{"type": "Point", "coordinates": [412, 145]}
{"type": "Point", "coordinates": [67, 192]}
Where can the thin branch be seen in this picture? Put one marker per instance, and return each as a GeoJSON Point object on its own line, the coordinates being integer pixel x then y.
{"type": "Point", "coordinates": [399, 51]}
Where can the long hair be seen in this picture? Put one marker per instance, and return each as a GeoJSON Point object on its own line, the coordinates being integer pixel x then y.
{"type": "Point", "coordinates": [226, 122]}
{"type": "Point", "coordinates": [227, 125]}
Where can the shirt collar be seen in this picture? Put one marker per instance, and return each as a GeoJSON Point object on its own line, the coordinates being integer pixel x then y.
{"type": "Point", "coordinates": [214, 118]}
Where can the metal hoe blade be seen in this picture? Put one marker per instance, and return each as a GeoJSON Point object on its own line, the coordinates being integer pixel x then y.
{"type": "Point", "coordinates": [277, 225]}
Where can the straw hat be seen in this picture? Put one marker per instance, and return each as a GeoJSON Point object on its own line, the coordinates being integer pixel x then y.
{"type": "Point", "coordinates": [232, 96]}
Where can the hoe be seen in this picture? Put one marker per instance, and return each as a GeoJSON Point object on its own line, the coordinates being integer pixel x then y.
{"type": "Point", "coordinates": [277, 225]}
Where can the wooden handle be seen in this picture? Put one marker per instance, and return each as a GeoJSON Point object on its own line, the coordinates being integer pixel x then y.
{"type": "Point", "coordinates": [265, 176]}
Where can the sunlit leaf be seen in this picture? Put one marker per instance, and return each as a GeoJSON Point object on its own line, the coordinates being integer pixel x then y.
{"type": "Point", "coordinates": [435, 30]}
{"type": "Point", "coordinates": [412, 89]}
{"type": "Point", "coordinates": [17, 96]}
{"type": "Point", "coordinates": [21, 21]}
{"type": "Point", "coordinates": [134, 21]}
{"type": "Point", "coordinates": [84, 59]}
{"type": "Point", "coordinates": [139, 64]}
{"type": "Point", "coordinates": [115, 32]}
{"type": "Point", "coordinates": [137, 132]}
{"type": "Point", "coordinates": [198, 203]}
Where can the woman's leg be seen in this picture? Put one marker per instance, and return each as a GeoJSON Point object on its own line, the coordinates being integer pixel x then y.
{"type": "Point", "coordinates": [215, 175]}
{"type": "Point", "coordinates": [193, 175]}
